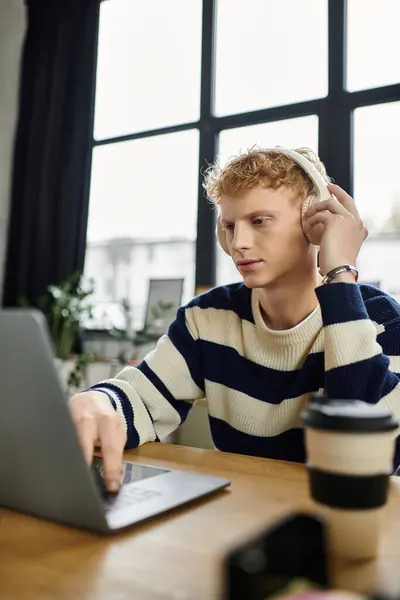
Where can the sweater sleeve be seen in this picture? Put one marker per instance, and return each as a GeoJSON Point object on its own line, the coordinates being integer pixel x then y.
{"type": "Point", "coordinates": [362, 345]}
{"type": "Point", "coordinates": [155, 397]}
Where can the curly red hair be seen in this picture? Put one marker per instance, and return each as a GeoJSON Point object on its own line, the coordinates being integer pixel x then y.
{"type": "Point", "coordinates": [266, 167]}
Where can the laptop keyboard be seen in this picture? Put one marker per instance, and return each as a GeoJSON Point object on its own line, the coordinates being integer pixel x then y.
{"type": "Point", "coordinates": [129, 495]}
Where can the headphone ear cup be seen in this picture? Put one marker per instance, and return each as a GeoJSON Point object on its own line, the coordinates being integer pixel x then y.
{"type": "Point", "coordinates": [221, 237]}
{"type": "Point", "coordinates": [308, 202]}
{"type": "Point", "coordinates": [305, 206]}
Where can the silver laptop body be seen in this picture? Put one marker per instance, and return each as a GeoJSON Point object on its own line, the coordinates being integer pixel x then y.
{"type": "Point", "coordinates": [42, 468]}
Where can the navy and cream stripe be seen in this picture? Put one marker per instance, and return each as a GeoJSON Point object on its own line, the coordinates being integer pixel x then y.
{"type": "Point", "coordinates": [256, 380]}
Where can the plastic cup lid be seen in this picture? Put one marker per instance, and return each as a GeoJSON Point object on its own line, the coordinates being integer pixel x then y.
{"type": "Point", "coordinates": [347, 415]}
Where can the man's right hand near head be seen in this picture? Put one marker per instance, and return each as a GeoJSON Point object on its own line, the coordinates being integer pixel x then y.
{"type": "Point", "coordinates": [97, 422]}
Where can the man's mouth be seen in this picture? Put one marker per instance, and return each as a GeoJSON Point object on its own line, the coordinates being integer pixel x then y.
{"type": "Point", "coordinates": [248, 265]}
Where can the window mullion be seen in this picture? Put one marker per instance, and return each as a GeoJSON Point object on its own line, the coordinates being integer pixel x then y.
{"type": "Point", "coordinates": [205, 243]}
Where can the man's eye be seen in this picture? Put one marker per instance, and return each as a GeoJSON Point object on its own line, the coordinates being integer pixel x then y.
{"type": "Point", "coordinates": [259, 221]}
{"type": "Point", "coordinates": [229, 227]}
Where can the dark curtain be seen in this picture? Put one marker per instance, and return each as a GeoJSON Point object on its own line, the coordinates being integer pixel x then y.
{"type": "Point", "coordinates": [52, 156]}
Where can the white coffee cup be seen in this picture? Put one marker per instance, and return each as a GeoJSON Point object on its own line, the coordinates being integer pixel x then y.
{"type": "Point", "coordinates": [350, 449]}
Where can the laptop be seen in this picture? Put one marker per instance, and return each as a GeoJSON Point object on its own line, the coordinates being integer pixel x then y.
{"type": "Point", "coordinates": [42, 468]}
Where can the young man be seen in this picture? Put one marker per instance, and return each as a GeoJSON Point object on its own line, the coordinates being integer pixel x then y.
{"type": "Point", "coordinates": [257, 350]}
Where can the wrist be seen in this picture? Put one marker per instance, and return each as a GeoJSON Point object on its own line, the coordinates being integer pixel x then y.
{"type": "Point", "coordinates": [104, 399]}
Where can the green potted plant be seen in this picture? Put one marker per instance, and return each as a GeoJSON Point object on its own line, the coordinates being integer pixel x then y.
{"type": "Point", "coordinates": [67, 307]}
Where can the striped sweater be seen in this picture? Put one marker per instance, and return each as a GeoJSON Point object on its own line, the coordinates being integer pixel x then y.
{"type": "Point", "coordinates": [257, 380]}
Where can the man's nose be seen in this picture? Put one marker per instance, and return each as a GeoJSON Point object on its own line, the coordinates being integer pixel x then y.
{"type": "Point", "coordinates": [242, 237]}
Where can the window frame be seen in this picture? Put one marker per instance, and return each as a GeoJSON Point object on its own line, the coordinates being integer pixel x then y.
{"type": "Point", "coordinates": [334, 112]}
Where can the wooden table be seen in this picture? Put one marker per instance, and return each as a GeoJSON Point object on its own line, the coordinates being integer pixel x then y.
{"type": "Point", "coordinates": [176, 556]}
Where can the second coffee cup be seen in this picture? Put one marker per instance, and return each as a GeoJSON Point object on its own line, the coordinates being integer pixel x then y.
{"type": "Point", "coordinates": [350, 448]}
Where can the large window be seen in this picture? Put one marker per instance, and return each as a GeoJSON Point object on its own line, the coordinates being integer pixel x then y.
{"type": "Point", "coordinates": [377, 192]}
{"type": "Point", "coordinates": [180, 82]}
{"type": "Point", "coordinates": [270, 53]}
{"type": "Point", "coordinates": [143, 199]}
{"type": "Point", "coordinates": [373, 43]}
{"type": "Point", "coordinates": [142, 221]}
{"type": "Point", "coordinates": [148, 73]}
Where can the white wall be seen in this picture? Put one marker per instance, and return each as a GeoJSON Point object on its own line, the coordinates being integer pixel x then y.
{"type": "Point", "coordinates": [12, 30]}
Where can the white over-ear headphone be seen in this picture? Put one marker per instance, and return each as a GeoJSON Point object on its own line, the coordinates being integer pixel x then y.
{"type": "Point", "coordinates": [321, 189]}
